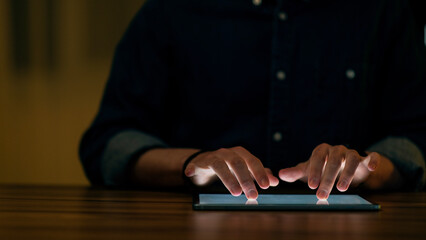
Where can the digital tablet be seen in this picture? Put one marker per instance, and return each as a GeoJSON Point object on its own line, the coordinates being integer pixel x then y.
{"type": "Point", "coordinates": [282, 202]}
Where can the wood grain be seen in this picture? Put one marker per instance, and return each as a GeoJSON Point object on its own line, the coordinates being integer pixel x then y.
{"type": "Point", "coordinates": [43, 212]}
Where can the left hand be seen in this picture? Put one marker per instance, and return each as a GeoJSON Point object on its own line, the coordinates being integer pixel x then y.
{"type": "Point", "coordinates": [327, 162]}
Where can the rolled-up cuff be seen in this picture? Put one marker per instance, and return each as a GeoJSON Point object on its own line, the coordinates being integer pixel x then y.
{"type": "Point", "coordinates": [119, 153]}
{"type": "Point", "coordinates": [406, 157]}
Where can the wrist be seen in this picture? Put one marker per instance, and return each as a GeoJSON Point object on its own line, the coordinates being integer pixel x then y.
{"type": "Point", "coordinates": [160, 167]}
{"type": "Point", "coordinates": [188, 160]}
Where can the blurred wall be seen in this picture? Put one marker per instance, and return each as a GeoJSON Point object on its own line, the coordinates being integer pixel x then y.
{"type": "Point", "coordinates": [54, 61]}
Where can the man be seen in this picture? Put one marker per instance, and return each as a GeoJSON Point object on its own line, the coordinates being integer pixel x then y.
{"type": "Point", "coordinates": [322, 91]}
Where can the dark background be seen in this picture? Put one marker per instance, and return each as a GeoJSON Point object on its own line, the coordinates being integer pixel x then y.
{"type": "Point", "coordinates": [55, 57]}
{"type": "Point", "coordinates": [419, 12]}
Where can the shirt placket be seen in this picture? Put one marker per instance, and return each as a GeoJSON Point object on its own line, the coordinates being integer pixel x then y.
{"type": "Point", "coordinates": [280, 89]}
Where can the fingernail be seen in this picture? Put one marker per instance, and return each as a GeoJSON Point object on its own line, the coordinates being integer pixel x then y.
{"type": "Point", "coordinates": [373, 166]}
{"type": "Point", "coordinates": [188, 173]}
{"type": "Point", "coordinates": [235, 194]}
{"type": "Point", "coordinates": [252, 194]}
{"type": "Point", "coordinates": [235, 189]}
{"type": "Point", "coordinates": [322, 194]}
{"type": "Point", "coordinates": [264, 182]}
{"type": "Point", "coordinates": [343, 184]}
{"type": "Point", "coordinates": [314, 182]}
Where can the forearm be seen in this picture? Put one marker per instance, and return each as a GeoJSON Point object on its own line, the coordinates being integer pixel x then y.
{"type": "Point", "coordinates": [160, 167]}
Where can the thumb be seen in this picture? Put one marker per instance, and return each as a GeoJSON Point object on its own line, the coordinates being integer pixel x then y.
{"type": "Point", "coordinates": [190, 170]}
{"type": "Point", "coordinates": [293, 174]}
{"type": "Point", "coordinates": [372, 161]}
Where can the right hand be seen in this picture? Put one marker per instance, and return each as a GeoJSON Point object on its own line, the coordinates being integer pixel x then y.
{"type": "Point", "coordinates": [236, 167]}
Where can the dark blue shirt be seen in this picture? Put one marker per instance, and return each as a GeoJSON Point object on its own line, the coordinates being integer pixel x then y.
{"type": "Point", "coordinates": [276, 77]}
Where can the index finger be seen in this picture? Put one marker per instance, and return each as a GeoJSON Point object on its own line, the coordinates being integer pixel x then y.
{"type": "Point", "coordinates": [240, 170]}
{"type": "Point", "coordinates": [316, 165]}
{"type": "Point", "coordinates": [255, 166]}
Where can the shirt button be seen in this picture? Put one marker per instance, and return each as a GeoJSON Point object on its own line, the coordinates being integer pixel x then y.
{"type": "Point", "coordinates": [277, 136]}
{"type": "Point", "coordinates": [257, 2]}
{"type": "Point", "coordinates": [281, 75]}
{"type": "Point", "coordinates": [350, 74]}
{"type": "Point", "coordinates": [282, 16]}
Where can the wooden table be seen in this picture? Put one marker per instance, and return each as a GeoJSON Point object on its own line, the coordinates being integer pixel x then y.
{"type": "Point", "coordinates": [43, 212]}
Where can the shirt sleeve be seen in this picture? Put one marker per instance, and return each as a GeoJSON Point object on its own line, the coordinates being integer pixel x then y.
{"type": "Point", "coordinates": [133, 115]}
{"type": "Point", "coordinates": [121, 150]}
{"type": "Point", "coordinates": [406, 157]}
{"type": "Point", "coordinates": [401, 118]}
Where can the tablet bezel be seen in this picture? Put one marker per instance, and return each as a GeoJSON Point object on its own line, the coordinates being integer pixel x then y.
{"type": "Point", "coordinates": [287, 207]}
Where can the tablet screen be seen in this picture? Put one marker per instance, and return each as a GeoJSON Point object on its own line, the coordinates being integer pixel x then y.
{"type": "Point", "coordinates": [282, 201]}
